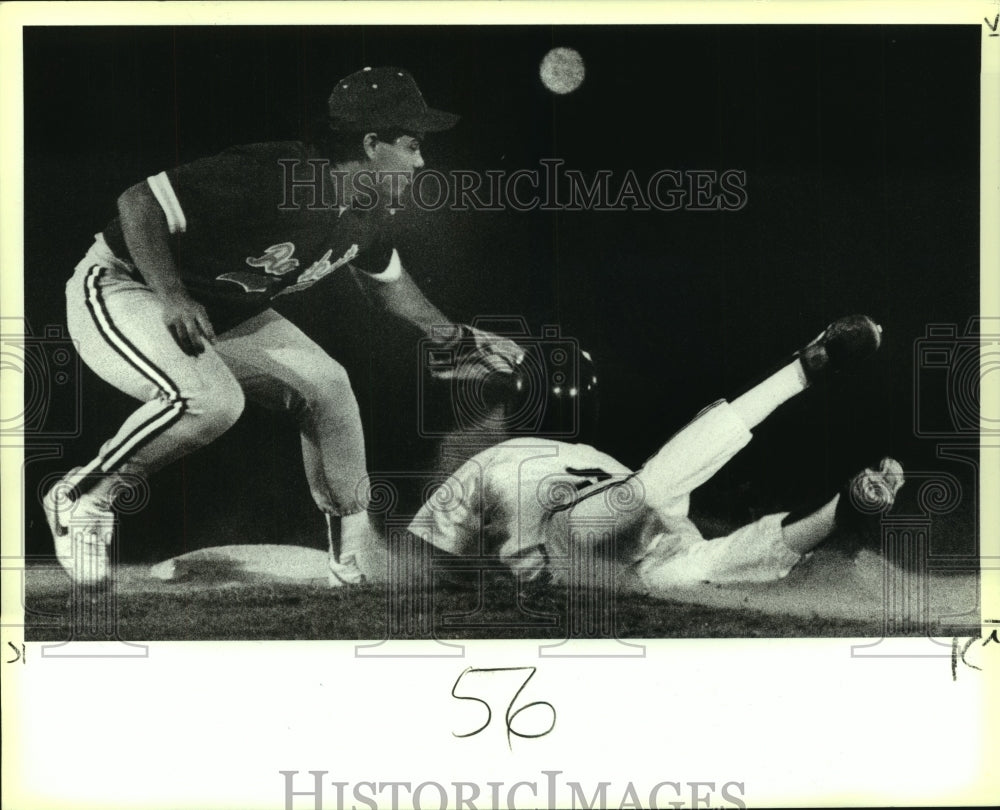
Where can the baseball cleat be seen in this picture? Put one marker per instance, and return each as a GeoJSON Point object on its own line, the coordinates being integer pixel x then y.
{"type": "Point", "coordinates": [843, 343]}
{"type": "Point", "coordinates": [82, 529]}
{"type": "Point", "coordinates": [344, 568]}
{"type": "Point", "coordinates": [345, 572]}
{"type": "Point", "coordinates": [870, 494]}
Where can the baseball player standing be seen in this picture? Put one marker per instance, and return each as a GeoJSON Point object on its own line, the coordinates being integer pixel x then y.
{"type": "Point", "coordinates": [172, 305]}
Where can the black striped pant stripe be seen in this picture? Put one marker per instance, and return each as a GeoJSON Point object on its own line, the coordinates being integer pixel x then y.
{"type": "Point", "coordinates": [175, 405]}
{"type": "Point", "coordinates": [115, 338]}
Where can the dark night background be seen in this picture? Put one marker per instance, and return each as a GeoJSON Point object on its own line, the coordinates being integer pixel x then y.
{"type": "Point", "coordinates": [861, 150]}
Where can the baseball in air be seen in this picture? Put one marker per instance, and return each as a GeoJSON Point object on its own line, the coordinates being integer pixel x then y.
{"type": "Point", "coordinates": [562, 70]}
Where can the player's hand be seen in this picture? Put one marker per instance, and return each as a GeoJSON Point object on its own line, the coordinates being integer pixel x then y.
{"type": "Point", "coordinates": [188, 322]}
{"type": "Point", "coordinates": [475, 354]}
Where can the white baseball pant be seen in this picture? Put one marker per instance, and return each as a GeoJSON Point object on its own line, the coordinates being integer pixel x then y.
{"type": "Point", "coordinates": [116, 322]}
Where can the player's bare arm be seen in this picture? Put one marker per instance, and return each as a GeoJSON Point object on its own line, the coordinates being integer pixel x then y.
{"type": "Point", "coordinates": [482, 352]}
{"type": "Point", "coordinates": [402, 298]}
{"type": "Point", "coordinates": [144, 228]}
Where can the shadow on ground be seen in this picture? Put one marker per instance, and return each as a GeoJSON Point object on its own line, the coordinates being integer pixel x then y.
{"type": "Point", "coordinates": [830, 595]}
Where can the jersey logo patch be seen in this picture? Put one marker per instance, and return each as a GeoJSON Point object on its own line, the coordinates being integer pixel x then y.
{"type": "Point", "coordinates": [277, 262]}
{"type": "Point", "coordinates": [277, 259]}
{"type": "Point", "coordinates": [319, 269]}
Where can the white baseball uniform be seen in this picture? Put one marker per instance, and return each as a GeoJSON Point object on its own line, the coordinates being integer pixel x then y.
{"type": "Point", "coordinates": [529, 501]}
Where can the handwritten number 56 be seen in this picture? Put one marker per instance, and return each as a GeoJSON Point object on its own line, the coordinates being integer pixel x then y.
{"type": "Point", "coordinates": [511, 713]}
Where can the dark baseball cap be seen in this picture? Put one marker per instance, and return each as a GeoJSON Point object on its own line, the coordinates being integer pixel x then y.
{"type": "Point", "coordinates": [377, 97]}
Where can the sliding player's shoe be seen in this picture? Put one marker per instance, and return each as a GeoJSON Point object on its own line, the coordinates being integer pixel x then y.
{"type": "Point", "coordinates": [844, 343]}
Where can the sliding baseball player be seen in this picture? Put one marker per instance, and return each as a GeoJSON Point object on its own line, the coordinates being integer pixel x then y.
{"type": "Point", "coordinates": [543, 506]}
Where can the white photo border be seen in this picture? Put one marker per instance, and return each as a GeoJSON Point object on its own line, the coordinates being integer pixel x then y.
{"type": "Point", "coordinates": [212, 724]}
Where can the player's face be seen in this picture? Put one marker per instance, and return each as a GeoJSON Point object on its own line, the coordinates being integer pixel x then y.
{"type": "Point", "coordinates": [397, 160]}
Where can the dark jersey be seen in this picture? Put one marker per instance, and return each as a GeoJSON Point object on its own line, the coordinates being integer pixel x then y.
{"type": "Point", "coordinates": [242, 234]}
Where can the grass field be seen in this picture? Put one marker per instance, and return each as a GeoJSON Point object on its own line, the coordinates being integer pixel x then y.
{"type": "Point", "coordinates": [831, 596]}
